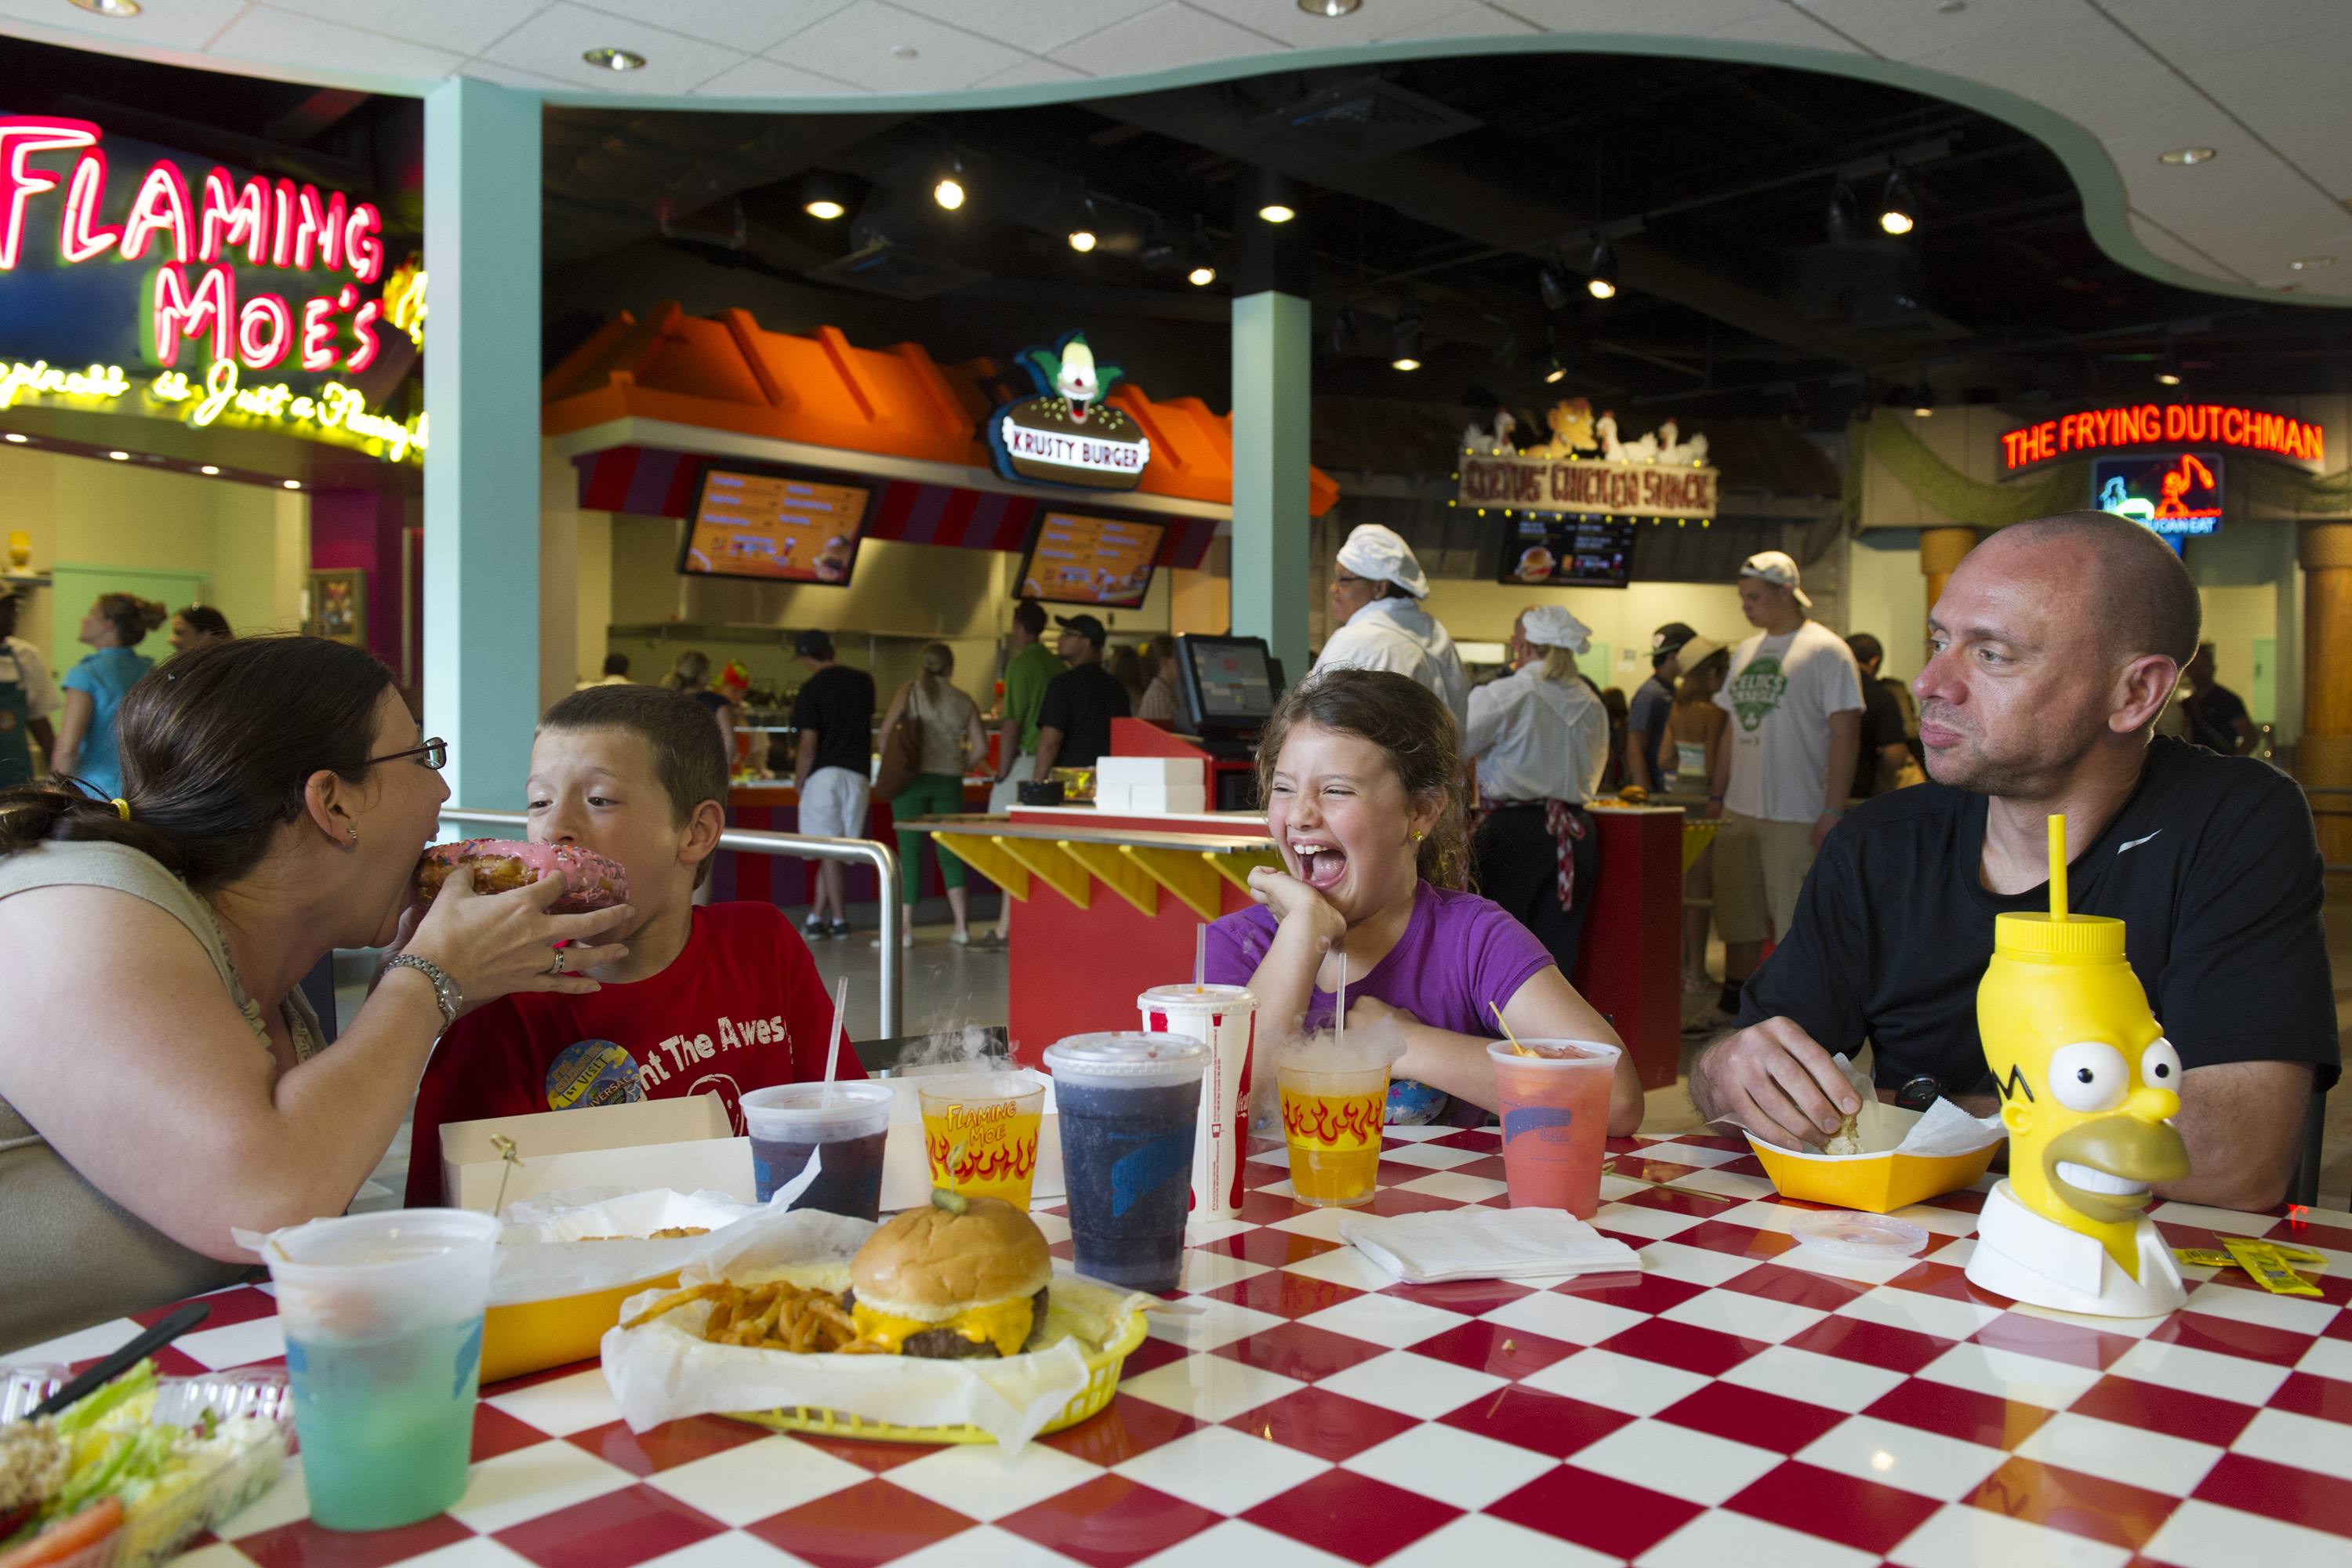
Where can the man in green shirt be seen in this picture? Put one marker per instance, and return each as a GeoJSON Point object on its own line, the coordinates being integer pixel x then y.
{"type": "Point", "coordinates": [1031, 665]}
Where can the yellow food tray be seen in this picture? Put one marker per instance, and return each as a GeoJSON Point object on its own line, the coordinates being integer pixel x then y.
{"type": "Point", "coordinates": [532, 1336]}
{"type": "Point", "coordinates": [1880, 1183]}
{"type": "Point", "coordinates": [1102, 1382]}
{"type": "Point", "coordinates": [1697, 836]}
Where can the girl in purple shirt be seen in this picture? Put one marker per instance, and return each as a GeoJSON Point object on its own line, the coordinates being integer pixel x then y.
{"type": "Point", "coordinates": [1361, 782]}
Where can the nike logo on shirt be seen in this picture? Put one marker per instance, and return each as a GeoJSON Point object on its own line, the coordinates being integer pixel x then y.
{"type": "Point", "coordinates": [2135, 843]}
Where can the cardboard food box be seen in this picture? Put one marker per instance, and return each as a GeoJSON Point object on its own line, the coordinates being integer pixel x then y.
{"type": "Point", "coordinates": [687, 1145]}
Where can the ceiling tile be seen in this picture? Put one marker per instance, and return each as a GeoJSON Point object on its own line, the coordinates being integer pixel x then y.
{"type": "Point", "coordinates": [1465, 22]}
{"type": "Point", "coordinates": [1036, 27]}
{"type": "Point", "coordinates": [1377, 19]}
{"type": "Point", "coordinates": [752, 26]}
{"type": "Point", "coordinates": [277, 38]}
{"type": "Point", "coordinates": [2163, 243]}
{"type": "Point", "coordinates": [165, 23]}
{"type": "Point", "coordinates": [2189, 31]}
{"type": "Point", "coordinates": [1032, 73]}
{"type": "Point", "coordinates": [1703, 17]}
{"type": "Point", "coordinates": [1165, 36]}
{"type": "Point", "coordinates": [552, 43]}
{"type": "Point", "coordinates": [466, 27]}
{"type": "Point", "coordinates": [2311, 131]}
{"type": "Point", "coordinates": [1908, 31]}
{"type": "Point", "coordinates": [2251, 82]}
{"type": "Point", "coordinates": [768, 78]}
{"type": "Point", "coordinates": [480, 69]}
{"type": "Point", "coordinates": [858, 43]}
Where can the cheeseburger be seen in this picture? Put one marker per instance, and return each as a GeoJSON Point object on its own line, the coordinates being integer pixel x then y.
{"type": "Point", "coordinates": [945, 1284]}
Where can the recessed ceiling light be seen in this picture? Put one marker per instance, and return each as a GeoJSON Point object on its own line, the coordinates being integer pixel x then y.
{"type": "Point", "coordinates": [293, 484]}
{"type": "Point", "coordinates": [18, 439]}
{"type": "Point", "coordinates": [2311, 263]}
{"type": "Point", "coordinates": [120, 457]}
{"type": "Point", "coordinates": [828, 210]}
{"type": "Point", "coordinates": [1200, 276]}
{"type": "Point", "coordinates": [108, 7]}
{"type": "Point", "coordinates": [1405, 362]}
{"type": "Point", "coordinates": [615, 60]}
{"type": "Point", "coordinates": [208, 469]}
{"type": "Point", "coordinates": [949, 193]}
{"type": "Point", "coordinates": [1328, 7]}
{"type": "Point", "coordinates": [2180, 157]}
{"type": "Point", "coordinates": [1275, 211]}
{"type": "Point", "coordinates": [905, 51]}
{"type": "Point", "coordinates": [2168, 378]}
{"type": "Point", "coordinates": [1082, 240]}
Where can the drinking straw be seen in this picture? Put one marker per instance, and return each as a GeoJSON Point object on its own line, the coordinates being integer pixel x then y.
{"type": "Point", "coordinates": [833, 1047]}
{"type": "Point", "coordinates": [2058, 869]}
{"type": "Point", "coordinates": [1340, 1019]}
{"type": "Point", "coordinates": [1201, 957]}
{"type": "Point", "coordinates": [1516, 1049]}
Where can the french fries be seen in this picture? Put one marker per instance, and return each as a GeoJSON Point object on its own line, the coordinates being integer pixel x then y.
{"type": "Point", "coordinates": [771, 1317]}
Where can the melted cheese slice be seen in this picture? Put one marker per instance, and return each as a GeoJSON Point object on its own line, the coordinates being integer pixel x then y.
{"type": "Point", "coordinates": [1004, 1325]}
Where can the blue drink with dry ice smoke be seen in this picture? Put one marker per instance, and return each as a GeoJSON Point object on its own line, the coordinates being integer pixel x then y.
{"type": "Point", "coordinates": [1130, 1106]}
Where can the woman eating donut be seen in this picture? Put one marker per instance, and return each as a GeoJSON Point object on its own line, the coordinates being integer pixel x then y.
{"type": "Point", "coordinates": [161, 1078]}
{"type": "Point", "coordinates": [1360, 775]}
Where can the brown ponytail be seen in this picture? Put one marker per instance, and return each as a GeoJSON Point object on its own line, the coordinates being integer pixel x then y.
{"type": "Point", "coordinates": [1413, 729]}
{"type": "Point", "coordinates": [133, 617]}
{"type": "Point", "coordinates": [218, 748]}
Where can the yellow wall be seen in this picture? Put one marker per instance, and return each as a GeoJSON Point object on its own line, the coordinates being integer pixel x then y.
{"type": "Point", "coordinates": [92, 512]}
{"type": "Point", "coordinates": [1887, 597]}
{"type": "Point", "coordinates": [1621, 618]}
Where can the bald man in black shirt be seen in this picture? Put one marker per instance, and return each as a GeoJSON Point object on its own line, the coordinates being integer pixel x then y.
{"type": "Point", "coordinates": [2055, 646]}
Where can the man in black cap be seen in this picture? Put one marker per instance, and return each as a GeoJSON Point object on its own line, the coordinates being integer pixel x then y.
{"type": "Point", "coordinates": [1646, 742]}
{"type": "Point", "coordinates": [1074, 723]}
{"type": "Point", "coordinates": [834, 716]}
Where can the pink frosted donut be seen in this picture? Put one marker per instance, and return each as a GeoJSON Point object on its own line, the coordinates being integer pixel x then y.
{"type": "Point", "coordinates": [502, 865]}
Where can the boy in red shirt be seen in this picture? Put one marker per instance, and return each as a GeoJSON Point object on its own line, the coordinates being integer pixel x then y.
{"type": "Point", "coordinates": [721, 998]}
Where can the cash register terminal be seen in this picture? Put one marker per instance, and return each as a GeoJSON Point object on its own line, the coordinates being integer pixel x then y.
{"type": "Point", "coordinates": [1227, 689]}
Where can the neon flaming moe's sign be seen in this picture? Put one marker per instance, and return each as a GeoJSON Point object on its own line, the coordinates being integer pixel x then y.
{"type": "Point", "coordinates": [243, 279]}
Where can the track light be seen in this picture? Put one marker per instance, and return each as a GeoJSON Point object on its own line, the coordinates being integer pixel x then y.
{"type": "Point", "coordinates": [1551, 281]}
{"type": "Point", "coordinates": [1082, 232]}
{"type": "Point", "coordinates": [1201, 262]}
{"type": "Point", "coordinates": [949, 192]}
{"type": "Point", "coordinates": [1406, 335]}
{"type": "Point", "coordinates": [1553, 370]}
{"type": "Point", "coordinates": [825, 195]}
{"type": "Point", "coordinates": [1343, 332]}
{"type": "Point", "coordinates": [1404, 362]}
{"type": "Point", "coordinates": [1845, 215]}
{"type": "Point", "coordinates": [1275, 211]}
{"type": "Point", "coordinates": [1897, 209]}
{"type": "Point", "coordinates": [1601, 283]}
{"type": "Point", "coordinates": [2167, 369]}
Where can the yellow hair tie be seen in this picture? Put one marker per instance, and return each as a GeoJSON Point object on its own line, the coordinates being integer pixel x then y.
{"type": "Point", "coordinates": [123, 808]}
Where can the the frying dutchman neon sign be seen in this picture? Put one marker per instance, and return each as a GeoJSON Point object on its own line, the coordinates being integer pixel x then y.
{"type": "Point", "coordinates": [188, 235]}
{"type": "Point", "coordinates": [2147, 423]}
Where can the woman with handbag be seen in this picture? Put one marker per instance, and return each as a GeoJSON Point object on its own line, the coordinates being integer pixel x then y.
{"type": "Point", "coordinates": [931, 734]}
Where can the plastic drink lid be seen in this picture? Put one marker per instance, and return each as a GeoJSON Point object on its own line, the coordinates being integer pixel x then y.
{"type": "Point", "coordinates": [1129, 1057]}
{"type": "Point", "coordinates": [390, 1239]}
{"type": "Point", "coordinates": [1185, 996]}
{"type": "Point", "coordinates": [1557, 1053]}
{"type": "Point", "coordinates": [805, 1104]}
{"type": "Point", "coordinates": [1846, 1234]}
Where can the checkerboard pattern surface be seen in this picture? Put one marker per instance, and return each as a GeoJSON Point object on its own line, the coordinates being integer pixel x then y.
{"type": "Point", "coordinates": [1743, 1400]}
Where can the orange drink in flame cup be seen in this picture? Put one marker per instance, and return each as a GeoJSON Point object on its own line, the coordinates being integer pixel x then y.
{"type": "Point", "coordinates": [1331, 1121]}
{"type": "Point", "coordinates": [981, 1135]}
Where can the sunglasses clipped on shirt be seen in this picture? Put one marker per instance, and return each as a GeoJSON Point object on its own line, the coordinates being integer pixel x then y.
{"type": "Point", "coordinates": [434, 754]}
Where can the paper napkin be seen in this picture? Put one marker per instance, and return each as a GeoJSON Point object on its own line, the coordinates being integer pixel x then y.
{"type": "Point", "coordinates": [1474, 1243]}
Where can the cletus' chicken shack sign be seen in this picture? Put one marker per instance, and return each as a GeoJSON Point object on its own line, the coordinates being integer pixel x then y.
{"type": "Point", "coordinates": [135, 281]}
{"type": "Point", "coordinates": [1585, 470]}
{"type": "Point", "coordinates": [1066, 434]}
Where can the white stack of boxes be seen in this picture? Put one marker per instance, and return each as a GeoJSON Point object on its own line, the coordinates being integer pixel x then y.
{"type": "Point", "coordinates": [1149, 785]}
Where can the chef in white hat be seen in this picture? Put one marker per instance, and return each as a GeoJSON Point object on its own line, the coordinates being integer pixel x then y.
{"type": "Point", "coordinates": [1377, 587]}
{"type": "Point", "coordinates": [1540, 739]}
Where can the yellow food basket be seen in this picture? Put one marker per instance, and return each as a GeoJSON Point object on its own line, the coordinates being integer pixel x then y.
{"type": "Point", "coordinates": [1697, 836]}
{"type": "Point", "coordinates": [532, 1336]}
{"type": "Point", "coordinates": [1102, 1382]}
{"type": "Point", "coordinates": [1880, 1184]}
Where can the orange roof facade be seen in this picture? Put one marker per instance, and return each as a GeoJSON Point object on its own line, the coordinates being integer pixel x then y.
{"type": "Point", "coordinates": [731, 374]}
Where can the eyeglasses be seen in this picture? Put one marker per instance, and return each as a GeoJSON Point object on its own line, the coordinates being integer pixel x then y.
{"type": "Point", "coordinates": [1343, 580]}
{"type": "Point", "coordinates": [434, 754]}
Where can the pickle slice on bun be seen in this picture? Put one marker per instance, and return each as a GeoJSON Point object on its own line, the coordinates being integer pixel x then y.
{"type": "Point", "coordinates": [946, 1285]}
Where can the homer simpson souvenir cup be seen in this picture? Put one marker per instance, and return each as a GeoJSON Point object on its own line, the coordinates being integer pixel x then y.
{"type": "Point", "coordinates": [2089, 1087]}
{"type": "Point", "coordinates": [1224, 1018]}
{"type": "Point", "coordinates": [981, 1135]}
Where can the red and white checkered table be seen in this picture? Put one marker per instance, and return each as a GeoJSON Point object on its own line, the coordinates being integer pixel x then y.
{"type": "Point", "coordinates": [1743, 1401]}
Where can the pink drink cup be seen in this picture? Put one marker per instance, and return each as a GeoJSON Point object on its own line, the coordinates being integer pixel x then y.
{"type": "Point", "coordinates": [1555, 1111]}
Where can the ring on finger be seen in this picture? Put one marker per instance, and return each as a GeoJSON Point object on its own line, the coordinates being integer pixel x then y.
{"type": "Point", "coordinates": [558, 969]}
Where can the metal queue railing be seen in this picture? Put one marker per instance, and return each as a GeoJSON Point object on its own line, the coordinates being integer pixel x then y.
{"type": "Point", "coordinates": [791, 845]}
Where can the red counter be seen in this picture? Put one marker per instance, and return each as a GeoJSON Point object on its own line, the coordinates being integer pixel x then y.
{"type": "Point", "coordinates": [773, 804]}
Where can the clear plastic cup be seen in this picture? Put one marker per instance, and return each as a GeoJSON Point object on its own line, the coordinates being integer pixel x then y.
{"type": "Point", "coordinates": [1331, 1122]}
{"type": "Point", "coordinates": [980, 1134]}
{"type": "Point", "coordinates": [382, 1314]}
{"type": "Point", "coordinates": [1225, 1017]}
{"type": "Point", "coordinates": [1130, 1113]}
{"type": "Point", "coordinates": [1555, 1107]}
{"type": "Point", "coordinates": [850, 1122]}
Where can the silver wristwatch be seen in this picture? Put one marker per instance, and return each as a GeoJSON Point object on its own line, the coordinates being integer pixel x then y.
{"type": "Point", "coordinates": [446, 995]}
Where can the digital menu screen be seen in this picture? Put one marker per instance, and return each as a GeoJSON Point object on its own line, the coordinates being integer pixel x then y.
{"type": "Point", "coordinates": [1569, 553]}
{"type": "Point", "coordinates": [773, 527]}
{"type": "Point", "coordinates": [1101, 561]}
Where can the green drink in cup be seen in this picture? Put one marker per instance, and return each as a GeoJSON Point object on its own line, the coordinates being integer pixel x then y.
{"type": "Point", "coordinates": [382, 1314]}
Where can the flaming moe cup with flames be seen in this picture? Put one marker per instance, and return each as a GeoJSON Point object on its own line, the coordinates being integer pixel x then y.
{"type": "Point", "coordinates": [2089, 1087]}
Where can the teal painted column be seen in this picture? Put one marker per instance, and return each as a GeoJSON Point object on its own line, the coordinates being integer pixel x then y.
{"type": "Point", "coordinates": [1272, 365]}
{"type": "Point", "coordinates": [482, 185]}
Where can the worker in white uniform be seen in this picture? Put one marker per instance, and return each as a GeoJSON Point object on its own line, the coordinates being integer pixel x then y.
{"type": "Point", "coordinates": [1540, 739]}
{"type": "Point", "coordinates": [1378, 623]}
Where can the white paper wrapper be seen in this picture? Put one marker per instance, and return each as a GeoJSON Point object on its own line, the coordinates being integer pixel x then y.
{"type": "Point", "coordinates": [1486, 1243]}
{"type": "Point", "coordinates": [1941, 1130]}
{"type": "Point", "coordinates": [666, 1370]}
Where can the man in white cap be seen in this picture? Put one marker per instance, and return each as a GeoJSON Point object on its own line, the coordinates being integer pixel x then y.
{"type": "Point", "coordinates": [1795, 701]}
{"type": "Point", "coordinates": [1378, 623]}
{"type": "Point", "coordinates": [1540, 739]}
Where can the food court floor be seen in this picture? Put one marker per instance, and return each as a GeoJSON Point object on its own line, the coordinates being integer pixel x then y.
{"type": "Point", "coordinates": [948, 987]}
